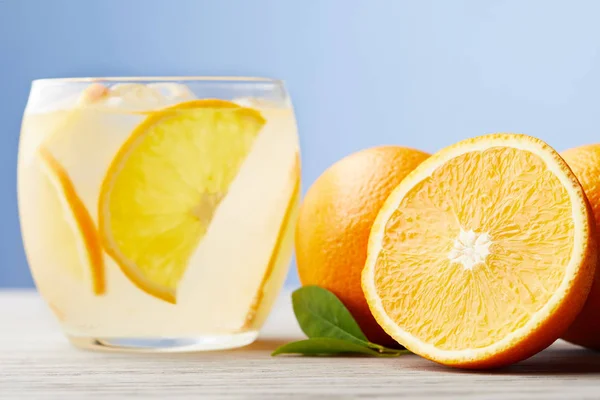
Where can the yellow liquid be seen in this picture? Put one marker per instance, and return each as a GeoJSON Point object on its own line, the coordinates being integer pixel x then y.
{"type": "Point", "coordinates": [232, 278]}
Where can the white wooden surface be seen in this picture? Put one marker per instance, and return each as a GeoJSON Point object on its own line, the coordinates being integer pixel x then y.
{"type": "Point", "coordinates": [37, 362]}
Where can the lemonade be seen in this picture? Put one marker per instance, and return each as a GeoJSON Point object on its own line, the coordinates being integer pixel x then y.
{"type": "Point", "coordinates": [155, 216]}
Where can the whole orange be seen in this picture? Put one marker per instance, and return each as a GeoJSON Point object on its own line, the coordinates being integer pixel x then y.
{"type": "Point", "coordinates": [335, 221]}
{"type": "Point", "coordinates": [585, 164]}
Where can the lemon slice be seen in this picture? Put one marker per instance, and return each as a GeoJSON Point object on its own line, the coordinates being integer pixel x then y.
{"type": "Point", "coordinates": [280, 256]}
{"type": "Point", "coordinates": [82, 232]}
{"type": "Point", "coordinates": [164, 185]}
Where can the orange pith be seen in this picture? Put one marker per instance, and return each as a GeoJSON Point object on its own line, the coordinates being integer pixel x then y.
{"type": "Point", "coordinates": [482, 249]}
{"type": "Point", "coordinates": [84, 222]}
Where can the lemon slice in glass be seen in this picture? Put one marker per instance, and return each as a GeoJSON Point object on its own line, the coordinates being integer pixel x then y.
{"type": "Point", "coordinates": [80, 240]}
{"type": "Point", "coordinates": [161, 191]}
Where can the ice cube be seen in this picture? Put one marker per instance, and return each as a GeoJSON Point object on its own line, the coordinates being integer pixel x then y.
{"type": "Point", "coordinates": [137, 96]}
{"type": "Point", "coordinates": [173, 92]}
{"type": "Point", "coordinates": [125, 96]}
{"type": "Point", "coordinates": [133, 96]}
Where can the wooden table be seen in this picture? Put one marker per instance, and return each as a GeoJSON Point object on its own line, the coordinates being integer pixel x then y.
{"type": "Point", "coordinates": [37, 362]}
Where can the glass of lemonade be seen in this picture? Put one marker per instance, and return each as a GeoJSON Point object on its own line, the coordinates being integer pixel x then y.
{"type": "Point", "coordinates": [158, 213]}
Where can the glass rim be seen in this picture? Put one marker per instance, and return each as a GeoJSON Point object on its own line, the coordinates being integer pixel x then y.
{"type": "Point", "coordinates": [147, 79]}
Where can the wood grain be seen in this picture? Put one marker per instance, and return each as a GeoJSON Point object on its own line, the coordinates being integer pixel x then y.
{"type": "Point", "coordinates": [37, 362]}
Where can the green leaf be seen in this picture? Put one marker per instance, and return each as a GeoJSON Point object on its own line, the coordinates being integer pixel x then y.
{"type": "Point", "coordinates": [321, 314]}
{"type": "Point", "coordinates": [331, 346]}
{"type": "Point", "coordinates": [330, 327]}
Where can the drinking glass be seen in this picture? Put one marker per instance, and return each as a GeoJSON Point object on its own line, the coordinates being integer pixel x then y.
{"type": "Point", "coordinates": [158, 214]}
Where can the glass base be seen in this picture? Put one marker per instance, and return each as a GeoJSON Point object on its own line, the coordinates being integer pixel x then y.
{"type": "Point", "coordinates": [165, 345]}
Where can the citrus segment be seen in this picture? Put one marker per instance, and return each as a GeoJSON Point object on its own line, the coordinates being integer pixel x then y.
{"type": "Point", "coordinates": [482, 255]}
{"type": "Point", "coordinates": [164, 185]}
{"type": "Point", "coordinates": [80, 221]}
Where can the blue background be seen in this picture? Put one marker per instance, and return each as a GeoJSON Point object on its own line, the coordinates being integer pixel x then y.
{"type": "Point", "coordinates": [361, 73]}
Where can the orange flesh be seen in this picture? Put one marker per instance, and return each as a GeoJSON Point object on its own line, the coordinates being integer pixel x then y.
{"type": "Point", "coordinates": [504, 192]}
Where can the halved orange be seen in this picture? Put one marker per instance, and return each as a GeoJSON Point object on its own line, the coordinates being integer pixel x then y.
{"type": "Point", "coordinates": [164, 185]}
{"type": "Point", "coordinates": [82, 234]}
{"type": "Point", "coordinates": [483, 255]}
